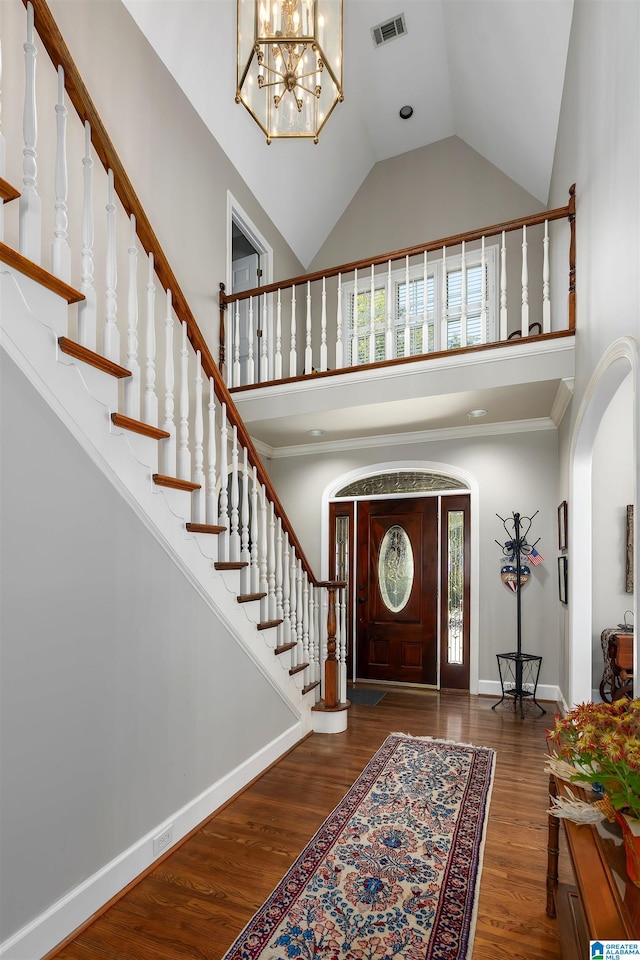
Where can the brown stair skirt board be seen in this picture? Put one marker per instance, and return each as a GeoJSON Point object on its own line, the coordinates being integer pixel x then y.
{"type": "Point", "coordinates": [248, 597]}
{"type": "Point", "coordinates": [267, 624]}
{"type": "Point", "coordinates": [137, 426]}
{"type": "Point", "coordinates": [30, 269]}
{"type": "Point", "coordinates": [78, 352]}
{"type": "Point", "coordinates": [8, 191]}
{"type": "Point", "coordinates": [310, 686]}
{"type": "Point", "coordinates": [285, 647]}
{"type": "Point", "coordinates": [175, 483]}
{"type": "Point", "coordinates": [205, 528]}
{"type": "Point", "coordinates": [298, 669]}
{"type": "Point", "coordinates": [230, 565]}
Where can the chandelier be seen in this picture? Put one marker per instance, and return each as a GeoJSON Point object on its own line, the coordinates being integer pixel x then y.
{"type": "Point", "coordinates": [289, 64]}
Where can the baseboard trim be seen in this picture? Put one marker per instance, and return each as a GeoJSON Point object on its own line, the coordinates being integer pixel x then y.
{"type": "Point", "coordinates": [546, 692]}
{"type": "Point", "coordinates": [72, 911]}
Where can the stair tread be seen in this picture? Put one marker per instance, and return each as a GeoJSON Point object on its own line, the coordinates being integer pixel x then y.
{"type": "Point", "coordinates": [267, 624]}
{"type": "Point", "coordinates": [230, 565]}
{"type": "Point", "coordinates": [285, 647]}
{"type": "Point", "coordinates": [8, 191]}
{"type": "Point", "coordinates": [138, 426]}
{"type": "Point", "coordinates": [76, 350]}
{"type": "Point", "coordinates": [247, 597]}
{"type": "Point", "coordinates": [175, 483]}
{"type": "Point", "coordinates": [298, 669]}
{"type": "Point", "coordinates": [33, 270]}
{"type": "Point", "coordinates": [310, 686]}
{"type": "Point", "coordinates": [205, 528]}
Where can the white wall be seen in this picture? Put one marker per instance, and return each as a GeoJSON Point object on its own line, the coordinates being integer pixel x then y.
{"type": "Point", "coordinates": [598, 147]}
{"type": "Point", "coordinates": [117, 678]}
{"type": "Point", "coordinates": [515, 472]}
{"type": "Point", "coordinates": [612, 490]}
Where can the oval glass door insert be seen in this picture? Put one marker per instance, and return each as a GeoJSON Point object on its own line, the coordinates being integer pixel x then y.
{"type": "Point", "coordinates": [395, 568]}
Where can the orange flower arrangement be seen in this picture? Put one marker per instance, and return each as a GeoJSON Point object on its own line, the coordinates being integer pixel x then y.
{"type": "Point", "coordinates": [600, 744]}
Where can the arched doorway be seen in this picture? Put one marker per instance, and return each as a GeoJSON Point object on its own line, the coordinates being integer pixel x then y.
{"type": "Point", "coordinates": [403, 535]}
{"type": "Point", "coordinates": [620, 360]}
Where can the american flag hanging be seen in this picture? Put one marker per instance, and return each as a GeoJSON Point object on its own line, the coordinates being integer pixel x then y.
{"type": "Point", "coordinates": [534, 557]}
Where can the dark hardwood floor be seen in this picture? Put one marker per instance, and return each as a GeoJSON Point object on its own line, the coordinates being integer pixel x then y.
{"type": "Point", "coordinates": [195, 902]}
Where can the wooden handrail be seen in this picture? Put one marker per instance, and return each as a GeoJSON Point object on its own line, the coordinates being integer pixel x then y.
{"type": "Point", "coordinates": [557, 213]}
{"type": "Point", "coordinates": [78, 94]}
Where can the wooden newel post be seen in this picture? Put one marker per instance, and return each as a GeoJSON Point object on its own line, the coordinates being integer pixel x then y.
{"type": "Point", "coordinates": [331, 697]}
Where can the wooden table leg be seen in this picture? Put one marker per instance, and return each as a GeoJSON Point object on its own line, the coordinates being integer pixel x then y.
{"type": "Point", "coordinates": [553, 852]}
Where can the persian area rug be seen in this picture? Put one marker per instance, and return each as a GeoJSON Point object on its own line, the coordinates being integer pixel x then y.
{"type": "Point", "coordinates": [394, 871]}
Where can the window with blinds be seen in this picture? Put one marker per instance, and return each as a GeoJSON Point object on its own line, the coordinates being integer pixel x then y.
{"type": "Point", "coordinates": [415, 311]}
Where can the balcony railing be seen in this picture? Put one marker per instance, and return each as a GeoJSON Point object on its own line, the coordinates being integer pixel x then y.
{"type": "Point", "coordinates": [484, 287]}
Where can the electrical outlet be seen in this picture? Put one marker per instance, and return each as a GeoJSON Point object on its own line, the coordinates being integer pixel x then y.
{"type": "Point", "coordinates": [163, 840]}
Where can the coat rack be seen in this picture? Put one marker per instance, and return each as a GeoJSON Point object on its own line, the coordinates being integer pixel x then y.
{"type": "Point", "coordinates": [518, 671]}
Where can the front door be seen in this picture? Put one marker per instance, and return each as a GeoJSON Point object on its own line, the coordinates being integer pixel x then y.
{"type": "Point", "coordinates": [397, 590]}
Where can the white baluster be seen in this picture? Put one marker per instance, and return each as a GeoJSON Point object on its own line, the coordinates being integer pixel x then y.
{"type": "Point", "coordinates": [407, 310]}
{"type": "Point", "coordinates": [278, 571]}
{"type": "Point", "coordinates": [234, 538]}
{"type": "Point", "coordinates": [524, 323]}
{"type": "Point", "coordinates": [132, 383]}
{"type": "Point", "coordinates": [271, 565]}
{"type": "Point", "coordinates": [372, 317]}
{"type": "Point", "coordinates": [308, 351]}
{"type": "Point", "coordinates": [483, 295]}
{"type": "Point", "coordinates": [199, 496]}
{"type": "Point", "coordinates": [305, 617]}
{"type": "Point", "coordinates": [111, 334]}
{"type": "Point", "coordinates": [342, 646]}
{"type": "Point", "coordinates": [251, 374]}
{"type": "Point", "coordinates": [339, 336]}
{"type": "Point", "coordinates": [150, 406]}
{"type": "Point", "coordinates": [389, 347]}
{"type": "Point", "coordinates": [264, 341]}
{"type": "Point", "coordinates": [255, 566]}
{"type": "Point", "coordinates": [29, 205]}
{"type": "Point", "coordinates": [444, 332]}
{"type": "Point", "coordinates": [354, 328]}
{"type": "Point", "coordinates": [293, 603]}
{"type": "Point", "coordinates": [277, 373]}
{"type": "Point", "coordinates": [425, 305]}
{"type": "Point", "coordinates": [546, 301]}
{"type": "Point", "coordinates": [463, 297]}
{"type": "Point", "coordinates": [285, 628]}
{"type": "Point", "coordinates": [503, 288]}
{"type": "Point", "coordinates": [236, 347]}
{"type": "Point", "coordinates": [60, 252]}
{"type": "Point", "coordinates": [323, 328]}
{"type": "Point", "coordinates": [299, 614]}
{"type": "Point", "coordinates": [169, 453]}
{"type": "Point", "coordinates": [313, 636]}
{"type": "Point", "coordinates": [223, 514]}
{"type": "Point", "coordinates": [87, 322]}
{"type": "Point", "coordinates": [263, 586]}
{"type": "Point", "coordinates": [184, 454]}
{"type": "Point", "coordinates": [245, 520]}
{"type": "Point", "coordinates": [293, 355]}
{"type": "Point", "coordinates": [212, 513]}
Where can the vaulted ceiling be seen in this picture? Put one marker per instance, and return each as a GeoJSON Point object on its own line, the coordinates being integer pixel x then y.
{"type": "Point", "coordinates": [489, 71]}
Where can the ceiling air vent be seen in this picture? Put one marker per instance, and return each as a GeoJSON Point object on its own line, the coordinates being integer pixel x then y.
{"type": "Point", "coordinates": [389, 30]}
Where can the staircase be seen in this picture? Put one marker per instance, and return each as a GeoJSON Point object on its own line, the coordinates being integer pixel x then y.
{"type": "Point", "coordinates": [132, 381]}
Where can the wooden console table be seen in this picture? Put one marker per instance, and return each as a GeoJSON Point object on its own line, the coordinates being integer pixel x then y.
{"type": "Point", "coordinates": [604, 904]}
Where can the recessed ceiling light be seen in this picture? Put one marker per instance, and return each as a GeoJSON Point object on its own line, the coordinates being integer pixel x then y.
{"type": "Point", "coordinates": [406, 112]}
{"type": "Point", "coordinates": [472, 414]}
{"type": "Point", "coordinates": [315, 433]}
